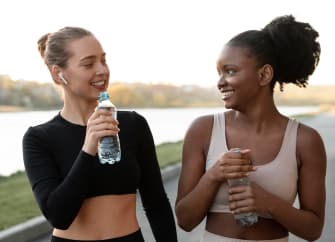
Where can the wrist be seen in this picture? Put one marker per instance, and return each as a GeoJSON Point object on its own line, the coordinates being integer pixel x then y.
{"type": "Point", "coordinates": [212, 178]}
{"type": "Point", "coordinates": [90, 150]}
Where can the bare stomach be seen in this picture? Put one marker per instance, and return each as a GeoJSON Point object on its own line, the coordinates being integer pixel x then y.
{"type": "Point", "coordinates": [103, 217]}
{"type": "Point", "coordinates": [224, 224]}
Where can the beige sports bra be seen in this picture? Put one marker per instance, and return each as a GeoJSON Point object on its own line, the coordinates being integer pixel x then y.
{"type": "Point", "coordinates": [279, 176]}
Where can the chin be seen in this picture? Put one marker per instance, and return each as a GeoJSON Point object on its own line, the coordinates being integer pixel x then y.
{"type": "Point", "coordinates": [228, 105]}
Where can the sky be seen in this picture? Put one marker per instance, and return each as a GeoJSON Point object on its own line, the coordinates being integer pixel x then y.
{"type": "Point", "coordinates": [153, 41]}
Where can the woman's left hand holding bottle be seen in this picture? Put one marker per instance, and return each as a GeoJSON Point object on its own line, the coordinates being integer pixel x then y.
{"type": "Point", "coordinates": [100, 124]}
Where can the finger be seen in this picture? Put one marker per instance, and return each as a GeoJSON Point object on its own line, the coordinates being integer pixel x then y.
{"type": "Point", "coordinates": [103, 133]}
{"type": "Point", "coordinates": [242, 205]}
{"type": "Point", "coordinates": [104, 113]}
{"type": "Point", "coordinates": [238, 210]}
{"type": "Point", "coordinates": [244, 151]}
{"type": "Point", "coordinates": [235, 161]}
{"type": "Point", "coordinates": [105, 126]}
{"type": "Point", "coordinates": [235, 168]}
{"type": "Point", "coordinates": [100, 112]}
{"type": "Point", "coordinates": [238, 193]}
{"type": "Point", "coordinates": [108, 119]}
{"type": "Point", "coordinates": [102, 119]}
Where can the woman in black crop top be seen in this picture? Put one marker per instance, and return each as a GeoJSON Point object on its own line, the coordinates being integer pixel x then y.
{"type": "Point", "coordinates": [83, 199]}
{"type": "Point", "coordinates": [288, 158]}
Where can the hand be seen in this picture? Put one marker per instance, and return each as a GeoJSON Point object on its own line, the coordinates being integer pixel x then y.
{"type": "Point", "coordinates": [100, 124]}
{"type": "Point", "coordinates": [248, 198]}
{"type": "Point", "coordinates": [232, 165]}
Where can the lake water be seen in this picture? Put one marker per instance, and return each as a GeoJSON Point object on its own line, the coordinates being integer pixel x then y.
{"type": "Point", "coordinates": [168, 124]}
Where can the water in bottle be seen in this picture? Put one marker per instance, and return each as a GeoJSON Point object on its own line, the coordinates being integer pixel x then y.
{"type": "Point", "coordinates": [244, 219]}
{"type": "Point", "coordinates": [109, 150]}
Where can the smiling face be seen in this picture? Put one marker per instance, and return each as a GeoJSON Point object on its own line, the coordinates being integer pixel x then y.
{"type": "Point", "coordinates": [86, 72]}
{"type": "Point", "coordinates": [238, 77]}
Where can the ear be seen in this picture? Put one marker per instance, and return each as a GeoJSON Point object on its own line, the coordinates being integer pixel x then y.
{"type": "Point", "coordinates": [265, 75]}
{"type": "Point", "coordinates": [56, 74]}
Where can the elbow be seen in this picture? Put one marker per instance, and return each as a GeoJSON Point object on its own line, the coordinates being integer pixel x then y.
{"type": "Point", "coordinates": [184, 222]}
{"type": "Point", "coordinates": [58, 223]}
{"type": "Point", "coordinates": [58, 220]}
{"type": "Point", "coordinates": [185, 226]}
{"type": "Point", "coordinates": [313, 234]}
{"type": "Point", "coordinates": [313, 237]}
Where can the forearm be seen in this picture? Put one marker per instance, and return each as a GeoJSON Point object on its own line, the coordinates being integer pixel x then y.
{"type": "Point", "coordinates": [164, 230]}
{"type": "Point", "coordinates": [191, 209]}
{"type": "Point", "coordinates": [60, 202]}
{"type": "Point", "coordinates": [303, 223]}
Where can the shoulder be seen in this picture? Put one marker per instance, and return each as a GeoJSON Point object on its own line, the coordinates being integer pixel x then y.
{"type": "Point", "coordinates": [132, 123]}
{"type": "Point", "coordinates": [205, 121]}
{"type": "Point", "coordinates": [307, 136]}
{"type": "Point", "coordinates": [204, 124]}
{"type": "Point", "coordinates": [200, 128]}
{"type": "Point", "coordinates": [310, 146]}
{"type": "Point", "coordinates": [131, 117]}
{"type": "Point", "coordinates": [42, 129]}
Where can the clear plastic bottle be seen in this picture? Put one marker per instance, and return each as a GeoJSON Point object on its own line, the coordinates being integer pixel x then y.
{"type": "Point", "coordinates": [109, 150]}
{"type": "Point", "coordinates": [244, 219]}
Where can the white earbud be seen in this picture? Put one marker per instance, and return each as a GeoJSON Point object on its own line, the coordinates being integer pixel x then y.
{"type": "Point", "coordinates": [60, 75]}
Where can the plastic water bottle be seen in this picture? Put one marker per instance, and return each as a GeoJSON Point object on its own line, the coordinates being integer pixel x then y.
{"type": "Point", "coordinates": [109, 150]}
{"type": "Point", "coordinates": [244, 219]}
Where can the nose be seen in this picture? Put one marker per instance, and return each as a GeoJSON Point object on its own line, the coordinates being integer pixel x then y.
{"type": "Point", "coordinates": [221, 82]}
{"type": "Point", "coordinates": [102, 68]}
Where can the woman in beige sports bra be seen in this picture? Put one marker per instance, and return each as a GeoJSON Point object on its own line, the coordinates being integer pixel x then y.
{"type": "Point", "coordinates": [282, 158]}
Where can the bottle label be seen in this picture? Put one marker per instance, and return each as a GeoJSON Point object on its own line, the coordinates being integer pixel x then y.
{"type": "Point", "coordinates": [109, 150]}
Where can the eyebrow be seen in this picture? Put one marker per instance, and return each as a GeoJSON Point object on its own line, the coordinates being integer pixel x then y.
{"type": "Point", "coordinates": [91, 57]}
{"type": "Point", "coordinates": [227, 66]}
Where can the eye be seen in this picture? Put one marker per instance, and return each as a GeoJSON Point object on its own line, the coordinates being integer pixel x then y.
{"type": "Point", "coordinates": [88, 65]}
{"type": "Point", "coordinates": [230, 72]}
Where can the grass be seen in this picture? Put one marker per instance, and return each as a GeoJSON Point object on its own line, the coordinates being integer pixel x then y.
{"type": "Point", "coordinates": [169, 153]}
{"type": "Point", "coordinates": [18, 205]}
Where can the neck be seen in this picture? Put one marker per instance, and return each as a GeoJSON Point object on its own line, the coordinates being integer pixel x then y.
{"type": "Point", "coordinates": [257, 116]}
{"type": "Point", "coordinates": [78, 112]}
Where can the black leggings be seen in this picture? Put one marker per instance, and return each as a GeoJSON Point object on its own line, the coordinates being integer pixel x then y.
{"type": "Point", "coordinates": [134, 237]}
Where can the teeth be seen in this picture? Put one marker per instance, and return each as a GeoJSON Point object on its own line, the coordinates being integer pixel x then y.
{"type": "Point", "coordinates": [227, 94]}
{"type": "Point", "coordinates": [98, 83]}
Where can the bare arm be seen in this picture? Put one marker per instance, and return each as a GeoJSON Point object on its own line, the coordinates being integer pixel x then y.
{"type": "Point", "coordinates": [197, 188]}
{"type": "Point", "coordinates": [307, 222]}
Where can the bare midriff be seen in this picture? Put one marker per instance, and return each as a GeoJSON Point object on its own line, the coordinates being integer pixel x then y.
{"type": "Point", "coordinates": [103, 217]}
{"type": "Point", "coordinates": [224, 224]}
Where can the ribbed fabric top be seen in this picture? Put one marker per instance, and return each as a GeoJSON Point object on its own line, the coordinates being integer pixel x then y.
{"type": "Point", "coordinates": [279, 176]}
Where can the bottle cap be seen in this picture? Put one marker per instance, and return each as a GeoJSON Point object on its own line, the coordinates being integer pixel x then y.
{"type": "Point", "coordinates": [103, 96]}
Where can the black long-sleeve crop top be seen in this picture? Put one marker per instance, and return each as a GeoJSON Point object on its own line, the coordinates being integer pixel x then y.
{"type": "Point", "coordinates": [62, 175]}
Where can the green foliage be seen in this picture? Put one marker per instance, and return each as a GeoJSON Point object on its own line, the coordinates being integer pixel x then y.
{"type": "Point", "coordinates": [169, 153]}
{"type": "Point", "coordinates": [311, 95]}
{"type": "Point", "coordinates": [28, 94]}
{"type": "Point", "coordinates": [162, 95]}
{"type": "Point", "coordinates": [18, 205]}
{"type": "Point", "coordinates": [34, 95]}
